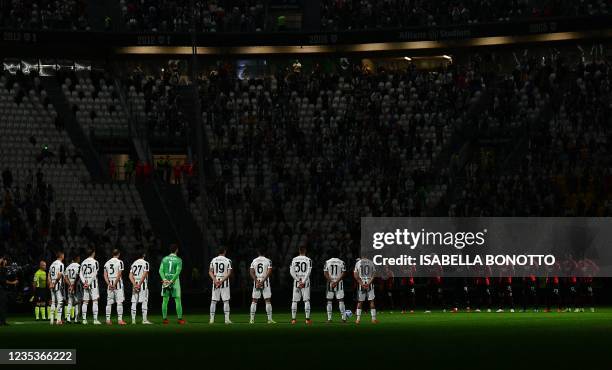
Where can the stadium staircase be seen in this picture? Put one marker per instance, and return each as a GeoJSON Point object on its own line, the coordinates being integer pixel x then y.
{"type": "Point", "coordinates": [187, 229]}
{"type": "Point", "coordinates": [163, 202]}
{"type": "Point", "coordinates": [97, 168]}
{"type": "Point", "coordinates": [188, 105]}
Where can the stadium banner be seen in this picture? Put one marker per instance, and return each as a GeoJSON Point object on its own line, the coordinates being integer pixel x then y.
{"type": "Point", "coordinates": [489, 246]}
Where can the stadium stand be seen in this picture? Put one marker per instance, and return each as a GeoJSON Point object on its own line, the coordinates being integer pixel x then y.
{"type": "Point", "coordinates": [210, 15]}
{"type": "Point", "coordinates": [96, 105]}
{"type": "Point", "coordinates": [48, 194]}
{"type": "Point", "coordinates": [341, 15]}
{"type": "Point", "coordinates": [45, 15]}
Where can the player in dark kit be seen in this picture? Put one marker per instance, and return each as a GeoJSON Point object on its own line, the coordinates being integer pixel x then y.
{"type": "Point", "coordinates": [553, 288]}
{"type": "Point", "coordinates": [483, 290]}
{"type": "Point", "coordinates": [408, 291]}
{"type": "Point", "coordinates": [435, 290]}
{"type": "Point", "coordinates": [570, 267]}
{"type": "Point", "coordinates": [588, 269]}
{"type": "Point", "coordinates": [529, 291]}
{"type": "Point", "coordinates": [387, 284]}
{"type": "Point", "coordinates": [504, 290]}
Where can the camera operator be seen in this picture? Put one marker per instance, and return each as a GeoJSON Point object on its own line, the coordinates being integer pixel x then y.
{"type": "Point", "coordinates": [4, 283]}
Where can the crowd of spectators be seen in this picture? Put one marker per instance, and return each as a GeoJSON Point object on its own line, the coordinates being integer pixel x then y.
{"type": "Point", "coordinates": [563, 167]}
{"type": "Point", "coordinates": [209, 15]}
{"type": "Point", "coordinates": [342, 15]}
{"type": "Point", "coordinates": [44, 14]}
{"type": "Point", "coordinates": [298, 157]}
{"type": "Point", "coordinates": [155, 100]}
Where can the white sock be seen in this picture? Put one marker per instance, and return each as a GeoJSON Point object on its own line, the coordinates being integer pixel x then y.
{"type": "Point", "coordinates": [60, 309]}
{"type": "Point", "coordinates": [373, 313]}
{"type": "Point", "coordinates": [84, 310]}
{"type": "Point", "coordinates": [226, 310]}
{"type": "Point", "coordinates": [120, 311]}
{"type": "Point", "coordinates": [213, 308]}
{"type": "Point", "coordinates": [329, 310]}
{"type": "Point", "coordinates": [253, 310]}
{"type": "Point", "coordinates": [95, 310]}
{"type": "Point", "coordinates": [52, 315]}
{"type": "Point", "coordinates": [293, 310]}
{"type": "Point", "coordinates": [69, 311]}
{"type": "Point", "coordinates": [109, 308]}
{"type": "Point", "coordinates": [269, 310]}
{"type": "Point", "coordinates": [134, 308]}
{"type": "Point", "coordinates": [77, 310]}
{"type": "Point", "coordinates": [358, 313]}
{"type": "Point", "coordinates": [307, 309]}
{"type": "Point", "coordinates": [145, 310]}
{"type": "Point", "coordinates": [342, 309]}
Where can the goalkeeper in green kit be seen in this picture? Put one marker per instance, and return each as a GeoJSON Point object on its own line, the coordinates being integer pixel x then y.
{"type": "Point", "coordinates": [170, 271]}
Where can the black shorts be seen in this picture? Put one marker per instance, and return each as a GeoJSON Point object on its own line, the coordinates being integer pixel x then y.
{"type": "Point", "coordinates": [42, 295]}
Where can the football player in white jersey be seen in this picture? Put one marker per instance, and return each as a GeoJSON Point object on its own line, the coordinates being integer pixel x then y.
{"type": "Point", "coordinates": [113, 275]}
{"type": "Point", "coordinates": [220, 271]}
{"type": "Point", "coordinates": [260, 271]}
{"type": "Point", "coordinates": [335, 271]}
{"type": "Point", "coordinates": [75, 291]}
{"type": "Point", "coordinates": [364, 274]}
{"type": "Point", "coordinates": [89, 281]}
{"type": "Point", "coordinates": [56, 285]}
{"type": "Point", "coordinates": [300, 269]}
{"type": "Point", "coordinates": [139, 276]}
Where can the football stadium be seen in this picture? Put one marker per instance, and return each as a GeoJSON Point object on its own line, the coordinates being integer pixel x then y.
{"type": "Point", "coordinates": [306, 183]}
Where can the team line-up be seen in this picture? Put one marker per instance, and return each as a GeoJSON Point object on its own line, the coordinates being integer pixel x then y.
{"type": "Point", "coordinates": [77, 285]}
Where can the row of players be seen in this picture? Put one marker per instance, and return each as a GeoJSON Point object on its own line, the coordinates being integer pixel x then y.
{"type": "Point", "coordinates": [77, 284]}
{"type": "Point", "coordinates": [82, 287]}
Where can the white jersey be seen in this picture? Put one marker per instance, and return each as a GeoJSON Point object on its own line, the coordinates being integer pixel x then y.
{"type": "Point", "coordinates": [72, 272]}
{"type": "Point", "coordinates": [113, 267]}
{"type": "Point", "coordinates": [89, 272]}
{"type": "Point", "coordinates": [221, 266]}
{"type": "Point", "coordinates": [138, 269]}
{"type": "Point", "coordinates": [261, 265]}
{"type": "Point", "coordinates": [335, 268]}
{"type": "Point", "coordinates": [301, 267]}
{"type": "Point", "coordinates": [366, 270]}
{"type": "Point", "coordinates": [55, 274]}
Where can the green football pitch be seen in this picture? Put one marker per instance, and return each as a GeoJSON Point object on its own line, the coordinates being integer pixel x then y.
{"type": "Point", "coordinates": [430, 341]}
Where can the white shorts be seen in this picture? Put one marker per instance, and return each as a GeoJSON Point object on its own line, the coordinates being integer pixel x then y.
{"type": "Point", "coordinates": [93, 293]}
{"type": "Point", "coordinates": [140, 297]}
{"type": "Point", "coordinates": [221, 294]}
{"type": "Point", "coordinates": [301, 294]}
{"type": "Point", "coordinates": [266, 291]}
{"type": "Point", "coordinates": [57, 295]}
{"type": "Point", "coordinates": [77, 295]}
{"type": "Point", "coordinates": [114, 296]}
{"type": "Point", "coordinates": [337, 292]}
{"type": "Point", "coordinates": [363, 295]}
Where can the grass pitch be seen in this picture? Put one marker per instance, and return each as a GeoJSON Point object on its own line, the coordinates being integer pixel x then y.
{"type": "Point", "coordinates": [432, 341]}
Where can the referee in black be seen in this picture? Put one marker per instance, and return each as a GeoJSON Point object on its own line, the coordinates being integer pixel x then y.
{"type": "Point", "coordinates": [4, 283]}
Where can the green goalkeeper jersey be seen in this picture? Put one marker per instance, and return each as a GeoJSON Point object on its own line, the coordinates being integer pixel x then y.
{"type": "Point", "coordinates": [170, 268]}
